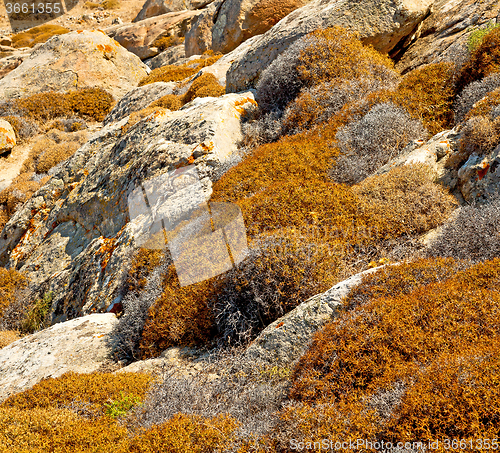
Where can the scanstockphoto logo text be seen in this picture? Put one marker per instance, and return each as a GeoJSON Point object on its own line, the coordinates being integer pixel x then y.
{"type": "Point", "coordinates": [365, 445]}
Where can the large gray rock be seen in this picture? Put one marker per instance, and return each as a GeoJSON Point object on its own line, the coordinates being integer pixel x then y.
{"type": "Point", "coordinates": [138, 99]}
{"type": "Point", "coordinates": [138, 37]}
{"type": "Point", "coordinates": [75, 60]}
{"type": "Point", "coordinates": [381, 23]}
{"type": "Point", "coordinates": [443, 35]}
{"type": "Point", "coordinates": [74, 238]}
{"type": "Point", "coordinates": [81, 345]}
{"type": "Point", "coordinates": [172, 55]}
{"type": "Point", "coordinates": [231, 22]}
{"type": "Point", "coordinates": [287, 338]}
{"type": "Point", "coordinates": [153, 8]}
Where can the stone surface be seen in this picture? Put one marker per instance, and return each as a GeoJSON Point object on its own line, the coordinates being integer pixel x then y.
{"type": "Point", "coordinates": [138, 99]}
{"type": "Point", "coordinates": [443, 35]}
{"type": "Point", "coordinates": [382, 24]}
{"type": "Point", "coordinates": [138, 38]}
{"type": "Point", "coordinates": [199, 36]}
{"type": "Point", "coordinates": [73, 237]}
{"type": "Point", "coordinates": [153, 8]}
{"type": "Point", "coordinates": [172, 55]}
{"type": "Point", "coordinates": [7, 137]}
{"type": "Point", "coordinates": [75, 60]}
{"type": "Point", "coordinates": [479, 177]}
{"type": "Point", "coordinates": [231, 22]}
{"type": "Point", "coordinates": [287, 338]}
{"type": "Point", "coordinates": [80, 345]}
{"type": "Point", "coordinates": [434, 153]}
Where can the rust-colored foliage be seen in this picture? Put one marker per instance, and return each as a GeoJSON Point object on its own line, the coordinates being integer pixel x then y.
{"type": "Point", "coordinates": [456, 397]}
{"type": "Point", "coordinates": [484, 60]}
{"type": "Point", "coordinates": [403, 201]}
{"type": "Point", "coordinates": [183, 433]}
{"type": "Point", "coordinates": [395, 280]}
{"type": "Point", "coordinates": [179, 317]}
{"type": "Point", "coordinates": [7, 337]}
{"type": "Point", "coordinates": [337, 55]}
{"type": "Point", "coordinates": [485, 105]}
{"type": "Point", "coordinates": [95, 389]}
{"type": "Point", "coordinates": [93, 103]}
{"type": "Point", "coordinates": [11, 282]}
{"type": "Point", "coordinates": [20, 190]}
{"type": "Point", "coordinates": [427, 93]}
{"type": "Point", "coordinates": [390, 339]}
{"type": "Point", "coordinates": [170, 101]}
{"type": "Point", "coordinates": [38, 34]}
{"type": "Point", "coordinates": [143, 263]}
{"type": "Point", "coordinates": [203, 86]}
{"type": "Point", "coordinates": [176, 73]}
{"type": "Point", "coordinates": [164, 42]}
{"type": "Point", "coordinates": [59, 431]}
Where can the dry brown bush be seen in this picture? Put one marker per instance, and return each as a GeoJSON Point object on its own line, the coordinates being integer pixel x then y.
{"type": "Point", "coordinates": [404, 201]}
{"type": "Point", "coordinates": [7, 337]}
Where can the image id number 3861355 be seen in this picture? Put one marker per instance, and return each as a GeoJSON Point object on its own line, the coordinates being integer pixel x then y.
{"type": "Point", "coordinates": [33, 8]}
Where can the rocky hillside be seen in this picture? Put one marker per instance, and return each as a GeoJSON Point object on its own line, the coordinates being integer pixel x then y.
{"type": "Point", "coordinates": [250, 226]}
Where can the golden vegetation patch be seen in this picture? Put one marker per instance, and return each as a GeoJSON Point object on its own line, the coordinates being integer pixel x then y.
{"type": "Point", "coordinates": [93, 390]}
{"type": "Point", "coordinates": [484, 60]}
{"type": "Point", "coordinates": [404, 201]}
{"type": "Point", "coordinates": [92, 103]}
{"type": "Point", "coordinates": [176, 73]}
{"type": "Point", "coordinates": [164, 42]}
{"type": "Point", "coordinates": [58, 431]}
{"type": "Point", "coordinates": [143, 263]}
{"type": "Point", "coordinates": [184, 433]}
{"type": "Point", "coordinates": [11, 282]}
{"type": "Point", "coordinates": [7, 337]}
{"type": "Point", "coordinates": [401, 341]}
{"type": "Point", "coordinates": [36, 35]}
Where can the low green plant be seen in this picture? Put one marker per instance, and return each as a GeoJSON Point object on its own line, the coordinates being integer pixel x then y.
{"type": "Point", "coordinates": [121, 406]}
{"type": "Point", "coordinates": [477, 35]}
{"type": "Point", "coordinates": [36, 317]}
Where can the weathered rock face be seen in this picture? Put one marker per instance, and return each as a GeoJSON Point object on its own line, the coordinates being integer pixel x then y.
{"type": "Point", "coordinates": [479, 177]}
{"type": "Point", "coordinates": [7, 137]}
{"type": "Point", "coordinates": [138, 99]}
{"type": "Point", "coordinates": [81, 345]}
{"type": "Point", "coordinates": [75, 60]}
{"type": "Point", "coordinates": [153, 8]}
{"type": "Point", "coordinates": [234, 21]}
{"type": "Point", "coordinates": [443, 35]}
{"type": "Point", "coordinates": [199, 36]}
{"type": "Point", "coordinates": [73, 237]}
{"type": "Point", "coordinates": [139, 37]}
{"type": "Point", "coordinates": [382, 24]}
{"type": "Point", "coordinates": [287, 338]}
{"type": "Point", "coordinates": [172, 55]}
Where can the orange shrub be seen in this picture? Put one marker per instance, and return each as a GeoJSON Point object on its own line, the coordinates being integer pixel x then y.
{"type": "Point", "coordinates": [38, 34]}
{"type": "Point", "coordinates": [203, 86]}
{"type": "Point", "coordinates": [143, 263]}
{"type": "Point", "coordinates": [95, 389]}
{"type": "Point", "coordinates": [7, 337]}
{"type": "Point", "coordinates": [11, 282]}
{"type": "Point", "coordinates": [164, 42]}
{"type": "Point", "coordinates": [427, 93]}
{"type": "Point", "coordinates": [403, 201]}
{"type": "Point", "coordinates": [484, 60]}
{"type": "Point", "coordinates": [170, 101]}
{"type": "Point", "coordinates": [267, 13]}
{"type": "Point", "coordinates": [456, 397]}
{"type": "Point", "coordinates": [176, 73]}
{"type": "Point", "coordinates": [179, 317]}
{"type": "Point", "coordinates": [335, 54]}
{"type": "Point", "coordinates": [401, 279]}
{"type": "Point", "coordinates": [187, 433]}
{"type": "Point", "coordinates": [386, 339]}
{"type": "Point", "coordinates": [58, 431]}
{"type": "Point", "coordinates": [485, 105]}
